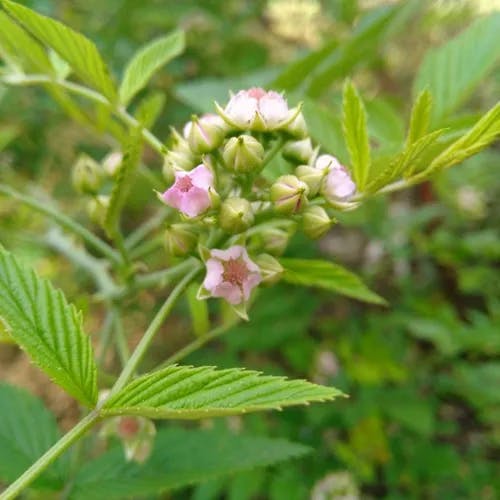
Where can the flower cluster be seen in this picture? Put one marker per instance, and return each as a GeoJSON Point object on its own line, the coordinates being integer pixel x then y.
{"type": "Point", "coordinates": [242, 182]}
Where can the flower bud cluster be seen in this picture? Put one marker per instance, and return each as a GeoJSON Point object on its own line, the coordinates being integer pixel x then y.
{"type": "Point", "coordinates": [242, 182]}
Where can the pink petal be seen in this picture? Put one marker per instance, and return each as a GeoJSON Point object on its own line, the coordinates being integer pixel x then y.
{"type": "Point", "coordinates": [214, 274]}
{"type": "Point", "coordinates": [241, 109]}
{"type": "Point", "coordinates": [339, 184]}
{"type": "Point", "coordinates": [273, 109]}
{"type": "Point", "coordinates": [251, 265]}
{"type": "Point", "coordinates": [232, 293]}
{"type": "Point", "coordinates": [234, 252]}
{"type": "Point", "coordinates": [194, 202]}
{"type": "Point", "coordinates": [173, 197]}
{"type": "Point", "coordinates": [201, 177]}
{"type": "Point", "coordinates": [250, 283]}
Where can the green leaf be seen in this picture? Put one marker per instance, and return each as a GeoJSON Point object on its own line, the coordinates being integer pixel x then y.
{"type": "Point", "coordinates": [480, 136]}
{"type": "Point", "coordinates": [185, 392]}
{"type": "Point", "coordinates": [27, 431]}
{"type": "Point", "coordinates": [356, 134]}
{"type": "Point", "coordinates": [147, 61]}
{"type": "Point", "coordinates": [123, 182]}
{"type": "Point", "coordinates": [420, 117]}
{"type": "Point", "coordinates": [327, 275]}
{"type": "Point", "coordinates": [21, 47]}
{"type": "Point", "coordinates": [452, 71]}
{"type": "Point", "coordinates": [80, 53]}
{"type": "Point", "coordinates": [150, 108]}
{"type": "Point", "coordinates": [180, 458]}
{"type": "Point", "coordinates": [41, 321]}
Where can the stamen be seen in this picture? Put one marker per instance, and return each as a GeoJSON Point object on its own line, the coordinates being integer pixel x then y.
{"type": "Point", "coordinates": [235, 271]}
{"type": "Point", "coordinates": [184, 184]}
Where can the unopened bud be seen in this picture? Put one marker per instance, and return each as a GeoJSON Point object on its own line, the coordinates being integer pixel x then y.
{"type": "Point", "coordinates": [112, 163]}
{"type": "Point", "coordinates": [180, 239]}
{"type": "Point", "coordinates": [178, 160]}
{"type": "Point", "coordinates": [88, 175]}
{"type": "Point", "coordinates": [289, 194]}
{"type": "Point", "coordinates": [204, 134]}
{"type": "Point", "coordinates": [297, 127]}
{"type": "Point", "coordinates": [275, 239]}
{"type": "Point", "coordinates": [97, 208]}
{"type": "Point", "coordinates": [270, 269]}
{"type": "Point", "coordinates": [243, 154]}
{"type": "Point", "coordinates": [313, 177]}
{"type": "Point", "coordinates": [236, 215]}
{"type": "Point", "coordinates": [298, 151]}
{"type": "Point", "coordinates": [316, 222]}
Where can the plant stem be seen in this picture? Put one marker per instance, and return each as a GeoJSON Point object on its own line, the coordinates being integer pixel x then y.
{"type": "Point", "coordinates": [273, 151]}
{"type": "Point", "coordinates": [48, 457]}
{"type": "Point", "coordinates": [64, 221]}
{"type": "Point", "coordinates": [146, 228]}
{"type": "Point", "coordinates": [153, 328]}
{"type": "Point", "coordinates": [75, 88]}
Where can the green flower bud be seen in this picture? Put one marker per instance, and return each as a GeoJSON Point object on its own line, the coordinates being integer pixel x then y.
{"type": "Point", "coordinates": [235, 215]}
{"type": "Point", "coordinates": [204, 134]}
{"type": "Point", "coordinates": [112, 163]}
{"type": "Point", "coordinates": [97, 208]}
{"type": "Point", "coordinates": [313, 177]}
{"type": "Point", "coordinates": [316, 222]}
{"type": "Point", "coordinates": [298, 151]}
{"type": "Point", "coordinates": [88, 175]}
{"type": "Point", "coordinates": [176, 159]}
{"type": "Point", "coordinates": [243, 154]}
{"type": "Point", "coordinates": [270, 269]}
{"type": "Point", "coordinates": [298, 127]}
{"type": "Point", "coordinates": [289, 194]}
{"type": "Point", "coordinates": [274, 240]}
{"type": "Point", "coordinates": [180, 239]}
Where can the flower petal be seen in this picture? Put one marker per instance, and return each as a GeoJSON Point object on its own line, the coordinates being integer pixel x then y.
{"type": "Point", "coordinates": [214, 274]}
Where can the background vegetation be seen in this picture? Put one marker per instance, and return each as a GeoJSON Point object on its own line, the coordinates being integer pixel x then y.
{"type": "Point", "coordinates": [423, 375]}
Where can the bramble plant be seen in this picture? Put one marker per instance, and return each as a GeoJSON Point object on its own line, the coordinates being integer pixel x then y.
{"type": "Point", "coordinates": [236, 185]}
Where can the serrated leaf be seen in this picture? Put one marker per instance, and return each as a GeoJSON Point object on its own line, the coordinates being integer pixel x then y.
{"type": "Point", "coordinates": [21, 47]}
{"type": "Point", "coordinates": [420, 117]}
{"type": "Point", "coordinates": [123, 182]}
{"type": "Point", "coordinates": [185, 392]}
{"type": "Point", "coordinates": [27, 431]}
{"type": "Point", "coordinates": [327, 275]}
{"type": "Point", "coordinates": [50, 330]}
{"type": "Point", "coordinates": [147, 61]}
{"type": "Point", "coordinates": [452, 71]}
{"type": "Point", "coordinates": [356, 134]}
{"type": "Point", "coordinates": [180, 458]}
{"type": "Point", "coordinates": [80, 53]}
{"type": "Point", "coordinates": [480, 136]}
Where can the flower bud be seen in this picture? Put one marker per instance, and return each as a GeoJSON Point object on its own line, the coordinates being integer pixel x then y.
{"type": "Point", "coordinates": [204, 134]}
{"type": "Point", "coordinates": [289, 194]}
{"type": "Point", "coordinates": [316, 222]}
{"type": "Point", "coordinates": [243, 154]}
{"type": "Point", "coordinates": [177, 160]}
{"type": "Point", "coordinates": [298, 151]}
{"type": "Point", "coordinates": [235, 215]}
{"type": "Point", "coordinates": [313, 177]}
{"type": "Point", "coordinates": [112, 163]}
{"type": "Point", "coordinates": [88, 175]}
{"type": "Point", "coordinates": [270, 269]}
{"type": "Point", "coordinates": [275, 240]}
{"type": "Point", "coordinates": [297, 127]}
{"type": "Point", "coordinates": [180, 239]}
{"type": "Point", "coordinates": [97, 208]}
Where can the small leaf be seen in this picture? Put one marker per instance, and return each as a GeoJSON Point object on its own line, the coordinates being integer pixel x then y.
{"type": "Point", "coordinates": [356, 134]}
{"type": "Point", "coordinates": [147, 61]}
{"type": "Point", "coordinates": [184, 392]}
{"type": "Point", "coordinates": [40, 320]}
{"type": "Point", "coordinates": [27, 431]}
{"type": "Point", "coordinates": [80, 53]}
{"type": "Point", "coordinates": [330, 276]}
{"type": "Point", "coordinates": [420, 117]}
{"type": "Point", "coordinates": [180, 458]}
{"type": "Point", "coordinates": [452, 71]}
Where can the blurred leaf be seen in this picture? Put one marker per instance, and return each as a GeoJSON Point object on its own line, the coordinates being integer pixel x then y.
{"type": "Point", "coordinates": [330, 276]}
{"type": "Point", "coordinates": [7, 134]}
{"type": "Point", "coordinates": [40, 320]}
{"type": "Point", "coordinates": [150, 109]}
{"type": "Point", "coordinates": [420, 117]}
{"type": "Point", "coordinates": [27, 431]}
{"type": "Point", "coordinates": [180, 458]}
{"type": "Point", "coordinates": [81, 54]}
{"type": "Point", "coordinates": [452, 71]}
{"type": "Point", "coordinates": [478, 383]}
{"type": "Point", "coordinates": [356, 134]}
{"type": "Point", "coordinates": [147, 61]}
{"type": "Point", "coordinates": [185, 392]}
{"type": "Point", "coordinates": [385, 125]}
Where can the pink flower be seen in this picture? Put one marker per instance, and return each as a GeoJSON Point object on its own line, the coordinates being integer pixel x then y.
{"type": "Point", "coordinates": [257, 109]}
{"type": "Point", "coordinates": [338, 184]}
{"type": "Point", "coordinates": [231, 274]}
{"type": "Point", "coordinates": [190, 192]}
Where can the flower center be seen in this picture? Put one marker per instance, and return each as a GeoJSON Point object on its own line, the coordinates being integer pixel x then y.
{"type": "Point", "coordinates": [184, 184]}
{"type": "Point", "coordinates": [256, 93]}
{"type": "Point", "coordinates": [235, 271]}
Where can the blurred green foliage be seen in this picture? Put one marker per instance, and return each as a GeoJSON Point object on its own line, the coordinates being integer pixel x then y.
{"type": "Point", "coordinates": [423, 375]}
